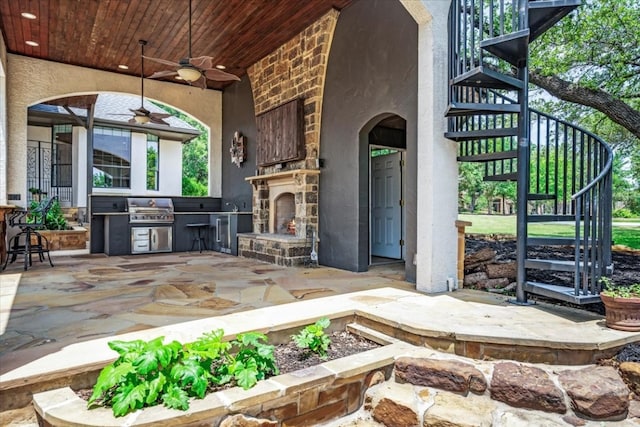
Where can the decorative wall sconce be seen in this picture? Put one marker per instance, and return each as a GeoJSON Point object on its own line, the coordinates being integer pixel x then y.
{"type": "Point", "coordinates": [238, 150]}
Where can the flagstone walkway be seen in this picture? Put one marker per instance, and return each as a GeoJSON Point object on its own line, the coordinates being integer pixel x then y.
{"type": "Point", "coordinates": [85, 297]}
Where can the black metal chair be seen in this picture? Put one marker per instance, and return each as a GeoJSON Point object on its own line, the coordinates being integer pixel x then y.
{"type": "Point", "coordinates": [28, 241]}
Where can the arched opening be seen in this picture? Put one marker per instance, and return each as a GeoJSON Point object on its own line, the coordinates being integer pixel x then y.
{"type": "Point", "coordinates": [386, 146]}
{"type": "Point", "coordinates": [90, 143]}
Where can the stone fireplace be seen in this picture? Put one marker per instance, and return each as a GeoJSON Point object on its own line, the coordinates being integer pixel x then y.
{"type": "Point", "coordinates": [285, 217]}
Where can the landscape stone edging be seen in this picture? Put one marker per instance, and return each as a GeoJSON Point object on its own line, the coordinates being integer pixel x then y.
{"type": "Point", "coordinates": [586, 393]}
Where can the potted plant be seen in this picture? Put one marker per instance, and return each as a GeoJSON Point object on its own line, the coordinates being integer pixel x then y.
{"type": "Point", "coordinates": [622, 305]}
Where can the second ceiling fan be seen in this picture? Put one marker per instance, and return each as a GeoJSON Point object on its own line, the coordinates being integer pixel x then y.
{"type": "Point", "coordinates": [141, 115]}
{"type": "Point", "coordinates": [191, 69]}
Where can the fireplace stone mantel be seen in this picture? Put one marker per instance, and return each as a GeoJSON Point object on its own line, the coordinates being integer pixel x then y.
{"type": "Point", "coordinates": [281, 175]}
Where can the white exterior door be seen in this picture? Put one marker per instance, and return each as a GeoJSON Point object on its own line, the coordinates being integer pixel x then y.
{"type": "Point", "coordinates": [386, 209]}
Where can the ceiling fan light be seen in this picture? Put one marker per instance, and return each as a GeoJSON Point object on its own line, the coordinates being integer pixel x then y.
{"type": "Point", "coordinates": [189, 74]}
{"type": "Point", "coordinates": [142, 120]}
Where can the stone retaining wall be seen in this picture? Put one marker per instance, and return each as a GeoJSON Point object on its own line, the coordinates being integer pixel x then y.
{"type": "Point", "coordinates": [433, 391]}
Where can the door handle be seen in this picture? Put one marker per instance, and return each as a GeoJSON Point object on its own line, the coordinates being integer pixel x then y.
{"type": "Point", "coordinates": [217, 229]}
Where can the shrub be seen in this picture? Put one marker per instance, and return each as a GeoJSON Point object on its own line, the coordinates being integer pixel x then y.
{"type": "Point", "coordinates": [620, 291]}
{"type": "Point", "coordinates": [623, 213]}
{"type": "Point", "coordinates": [54, 220]}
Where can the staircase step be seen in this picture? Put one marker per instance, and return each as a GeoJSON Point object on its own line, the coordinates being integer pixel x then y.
{"type": "Point", "coordinates": [545, 14]}
{"type": "Point", "coordinates": [470, 109]}
{"type": "Point", "coordinates": [471, 135]}
{"type": "Point", "coordinates": [541, 196]}
{"type": "Point", "coordinates": [551, 218]}
{"type": "Point", "coordinates": [551, 264]}
{"type": "Point", "coordinates": [511, 47]}
{"type": "Point", "coordinates": [562, 293]}
{"type": "Point", "coordinates": [487, 157]}
{"type": "Point", "coordinates": [487, 78]}
{"type": "Point", "coordinates": [512, 176]}
{"type": "Point", "coordinates": [552, 241]}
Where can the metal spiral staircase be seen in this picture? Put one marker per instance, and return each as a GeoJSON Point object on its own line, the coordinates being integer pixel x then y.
{"type": "Point", "coordinates": [563, 173]}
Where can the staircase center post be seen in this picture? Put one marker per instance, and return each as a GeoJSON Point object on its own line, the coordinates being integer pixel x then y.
{"type": "Point", "coordinates": [523, 163]}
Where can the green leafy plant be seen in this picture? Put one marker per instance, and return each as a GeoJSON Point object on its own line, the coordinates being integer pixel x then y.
{"type": "Point", "coordinates": [313, 338]}
{"type": "Point", "coordinates": [152, 373]}
{"type": "Point", "coordinates": [251, 361]}
{"type": "Point", "coordinates": [620, 291]}
{"type": "Point", "coordinates": [54, 218]}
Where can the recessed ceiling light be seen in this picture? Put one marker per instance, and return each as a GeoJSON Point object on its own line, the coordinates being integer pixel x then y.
{"type": "Point", "coordinates": [220, 67]}
{"type": "Point", "coordinates": [178, 78]}
{"type": "Point", "coordinates": [32, 43]}
{"type": "Point", "coordinates": [123, 67]}
{"type": "Point", "coordinates": [28, 15]}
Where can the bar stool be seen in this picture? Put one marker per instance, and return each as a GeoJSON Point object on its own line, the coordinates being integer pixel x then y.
{"type": "Point", "coordinates": [198, 235]}
{"type": "Point", "coordinates": [28, 241]}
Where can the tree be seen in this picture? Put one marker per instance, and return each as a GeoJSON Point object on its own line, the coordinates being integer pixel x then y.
{"type": "Point", "coordinates": [470, 184]}
{"type": "Point", "coordinates": [195, 157]}
{"type": "Point", "coordinates": [592, 59]}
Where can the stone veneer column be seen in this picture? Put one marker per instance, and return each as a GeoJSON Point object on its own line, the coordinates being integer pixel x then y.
{"type": "Point", "coordinates": [297, 69]}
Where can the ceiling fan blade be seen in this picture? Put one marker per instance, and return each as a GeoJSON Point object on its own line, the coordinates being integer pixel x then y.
{"type": "Point", "coordinates": [219, 75]}
{"type": "Point", "coordinates": [202, 62]}
{"type": "Point", "coordinates": [165, 73]}
{"type": "Point", "coordinates": [162, 61]}
{"type": "Point", "coordinates": [158, 121]}
{"type": "Point", "coordinates": [159, 115]}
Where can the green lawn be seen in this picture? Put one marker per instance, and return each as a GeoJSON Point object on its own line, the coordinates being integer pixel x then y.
{"type": "Point", "coordinates": [628, 235]}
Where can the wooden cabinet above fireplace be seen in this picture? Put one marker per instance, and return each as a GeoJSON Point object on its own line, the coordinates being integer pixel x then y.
{"type": "Point", "coordinates": [281, 134]}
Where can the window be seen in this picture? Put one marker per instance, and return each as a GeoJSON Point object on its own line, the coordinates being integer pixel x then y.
{"type": "Point", "coordinates": [153, 162]}
{"type": "Point", "coordinates": [111, 158]}
{"type": "Point", "coordinates": [61, 159]}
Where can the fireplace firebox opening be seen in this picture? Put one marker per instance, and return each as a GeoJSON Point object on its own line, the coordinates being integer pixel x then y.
{"type": "Point", "coordinates": [285, 214]}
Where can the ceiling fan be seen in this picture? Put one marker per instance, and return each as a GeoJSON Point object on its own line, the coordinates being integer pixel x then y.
{"type": "Point", "coordinates": [141, 115]}
{"type": "Point", "coordinates": [192, 69]}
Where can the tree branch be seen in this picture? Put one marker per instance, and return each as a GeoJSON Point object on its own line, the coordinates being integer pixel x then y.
{"type": "Point", "coordinates": [618, 111]}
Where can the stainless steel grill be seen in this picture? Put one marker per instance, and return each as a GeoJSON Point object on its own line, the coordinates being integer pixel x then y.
{"type": "Point", "coordinates": [143, 209]}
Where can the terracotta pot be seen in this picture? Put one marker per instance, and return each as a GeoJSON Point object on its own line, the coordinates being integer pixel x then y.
{"type": "Point", "coordinates": [622, 313]}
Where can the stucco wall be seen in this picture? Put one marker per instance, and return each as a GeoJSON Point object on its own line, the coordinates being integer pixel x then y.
{"type": "Point", "coordinates": [238, 115]}
{"type": "Point", "coordinates": [372, 72]}
{"type": "Point", "coordinates": [41, 80]}
{"type": "Point", "coordinates": [3, 122]}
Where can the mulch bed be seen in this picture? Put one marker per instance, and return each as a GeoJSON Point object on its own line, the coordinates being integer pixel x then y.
{"type": "Point", "coordinates": [290, 358]}
{"type": "Point", "coordinates": [626, 264]}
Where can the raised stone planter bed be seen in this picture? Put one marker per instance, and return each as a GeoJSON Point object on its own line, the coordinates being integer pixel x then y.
{"type": "Point", "coordinates": [301, 398]}
{"type": "Point", "coordinates": [66, 239]}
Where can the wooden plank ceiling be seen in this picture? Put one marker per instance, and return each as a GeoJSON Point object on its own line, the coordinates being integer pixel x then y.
{"type": "Point", "coordinates": [103, 34]}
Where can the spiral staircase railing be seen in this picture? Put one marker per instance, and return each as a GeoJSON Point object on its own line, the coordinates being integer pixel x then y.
{"type": "Point", "coordinates": [563, 172]}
